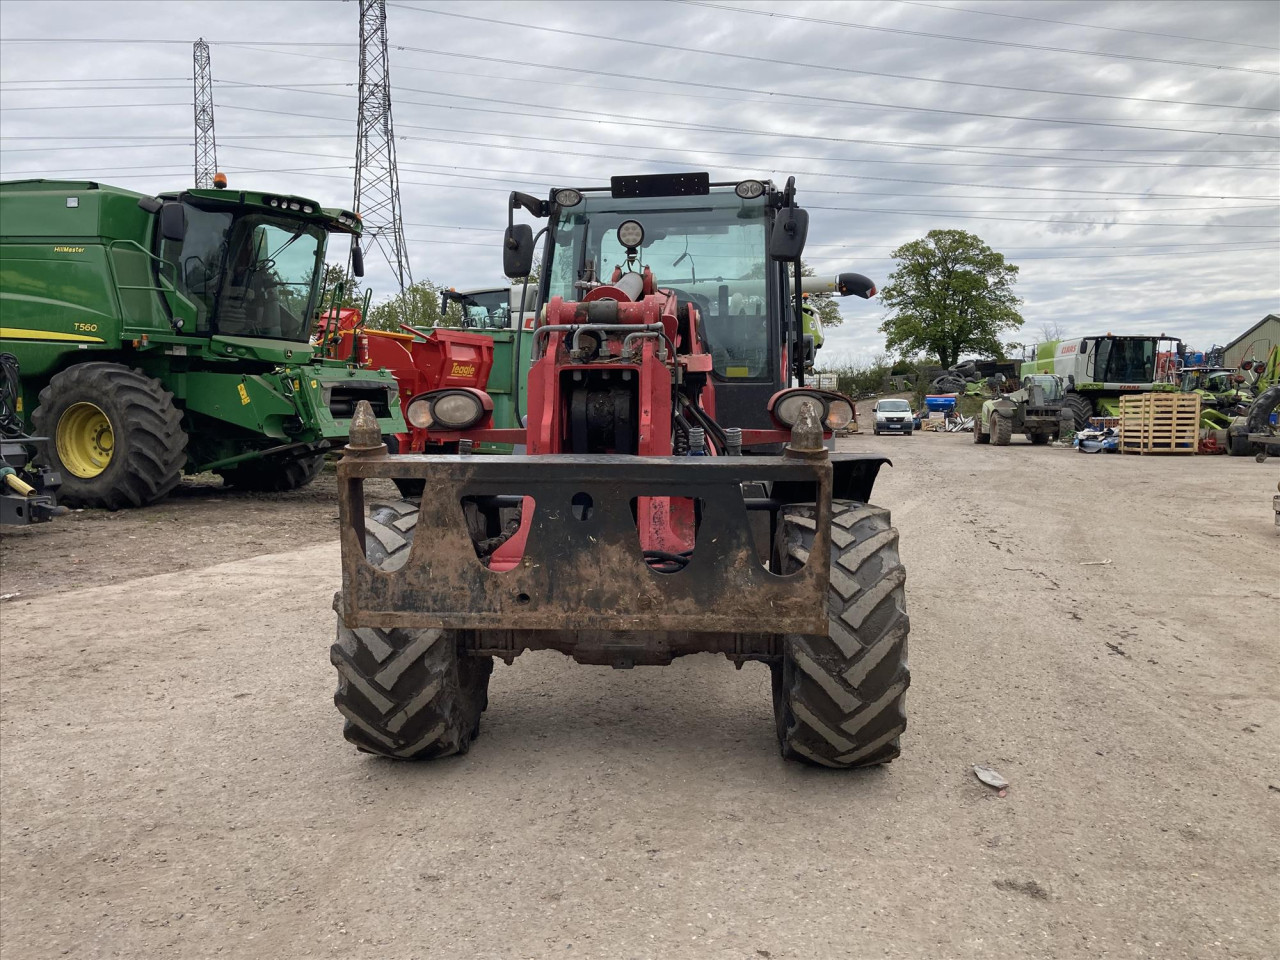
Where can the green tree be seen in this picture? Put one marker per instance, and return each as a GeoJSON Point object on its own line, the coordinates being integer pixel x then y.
{"type": "Point", "coordinates": [334, 274]}
{"type": "Point", "coordinates": [418, 306]}
{"type": "Point", "coordinates": [948, 294]}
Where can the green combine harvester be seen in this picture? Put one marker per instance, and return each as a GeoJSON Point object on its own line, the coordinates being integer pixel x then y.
{"type": "Point", "coordinates": [1098, 371]}
{"type": "Point", "coordinates": [171, 334]}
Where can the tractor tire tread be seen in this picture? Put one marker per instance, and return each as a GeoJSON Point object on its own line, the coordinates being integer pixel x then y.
{"type": "Point", "coordinates": [1081, 409]}
{"type": "Point", "coordinates": [406, 694]}
{"type": "Point", "coordinates": [839, 700]}
{"type": "Point", "coordinates": [1001, 430]}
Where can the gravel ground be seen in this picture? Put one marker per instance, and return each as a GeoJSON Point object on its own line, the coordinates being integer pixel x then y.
{"type": "Point", "coordinates": [173, 781]}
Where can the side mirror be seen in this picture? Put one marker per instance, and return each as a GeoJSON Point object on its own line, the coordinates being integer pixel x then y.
{"type": "Point", "coordinates": [173, 221]}
{"type": "Point", "coordinates": [517, 251]}
{"type": "Point", "coordinates": [855, 285]}
{"type": "Point", "coordinates": [357, 259]}
{"type": "Point", "coordinates": [786, 241]}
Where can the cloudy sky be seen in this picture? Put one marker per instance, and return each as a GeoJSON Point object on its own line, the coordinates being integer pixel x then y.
{"type": "Point", "coordinates": [1124, 155]}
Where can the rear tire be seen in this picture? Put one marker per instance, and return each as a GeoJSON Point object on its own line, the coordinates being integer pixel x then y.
{"type": "Point", "coordinates": [114, 434]}
{"type": "Point", "coordinates": [1039, 439]}
{"type": "Point", "coordinates": [406, 694]}
{"type": "Point", "coordinates": [978, 435]}
{"type": "Point", "coordinates": [1081, 409]}
{"type": "Point", "coordinates": [840, 700]}
{"type": "Point", "coordinates": [410, 488]}
{"type": "Point", "coordinates": [1001, 430]}
{"type": "Point", "coordinates": [272, 475]}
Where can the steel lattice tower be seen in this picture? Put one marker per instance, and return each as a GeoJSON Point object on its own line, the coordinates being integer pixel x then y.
{"type": "Point", "coordinates": [206, 144]}
{"type": "Point", "coordinates": [377, 191]}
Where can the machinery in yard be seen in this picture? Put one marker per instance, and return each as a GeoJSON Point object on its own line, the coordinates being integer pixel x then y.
{"type": "Point", "coordinates": [1037, 410]}
{"type": "Point", "coordinates": [28, 491]}
{"type": "Point", "coordinates": [421, 360]}
{"type": "Point", "coordinates": [1100, 370]}
{"type": "Point", "coordinates": [1256, 431]}
{"type": "Point", "coordinates": [677, 496]}
{"type": "Point", "coordinates": [1220, 388]}
{"type": "Point", "coordinates": [158, 335]}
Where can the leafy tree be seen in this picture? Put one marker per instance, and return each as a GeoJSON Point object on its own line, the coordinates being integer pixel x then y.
{"type": "Point", "coordinates": [418, 306]}
{"type": "Point", "coordinates": [949, 293]}
{"type": "Point", "coordinates": [334, 274]}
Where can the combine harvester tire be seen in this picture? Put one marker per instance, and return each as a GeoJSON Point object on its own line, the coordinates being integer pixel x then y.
{"type": "Point", "coordinates": [114, 435]}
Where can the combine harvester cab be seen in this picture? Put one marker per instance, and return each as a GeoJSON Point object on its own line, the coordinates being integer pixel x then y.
{"type": "Point", "coordinates": [171, 334]}
{"type": "Point", "coordinates": [635, 530]}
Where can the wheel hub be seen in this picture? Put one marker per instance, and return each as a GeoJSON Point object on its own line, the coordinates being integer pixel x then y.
{"type": "Point", "coordinates": [85, 440]}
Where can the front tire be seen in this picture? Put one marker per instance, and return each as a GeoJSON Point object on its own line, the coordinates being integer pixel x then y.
{"type": "Point", "coordinates": [406, 694]}
{"type": "Point", "coordinates": [978, 435]}
{"type": "Point", "coordinates": [840, 700]}
{"type": "Point", "coordinates": [114, 434]}
{"type": "Point", "coordinates": [1001, 430]}
{"type": "Point", "coordinates": [1039, 439]}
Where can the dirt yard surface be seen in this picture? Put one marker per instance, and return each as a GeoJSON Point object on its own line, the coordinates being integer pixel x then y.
{"type": "Point", "coordinates": [1099, 629]}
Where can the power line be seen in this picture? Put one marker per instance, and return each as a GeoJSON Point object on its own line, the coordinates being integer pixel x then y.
{"type": "Point", "coordinates": [1087, 26]}
{"type": "Point", "coordinates": [980, 152]}
{"type": "Point", "coordinates": [945, 36]}
{"type": "Point", "coordinates": [685, 51]}
{"type": "Point", "coordinates": [553, 179]}
{"type": "Point", "coordinates": [155, 40]}
{"type": "Point", "coordinates": [98, 80]}
{"type": "Point", "coordinates": [772, 97]}
{"type": "Point", "coordinates": [613, 74]}
{"type": "Point", "coordinates": [689, 125]}
{"type": "Point", "coordinates": [946, 183]}
{"type": "Point", "coordinates": [789, 170]}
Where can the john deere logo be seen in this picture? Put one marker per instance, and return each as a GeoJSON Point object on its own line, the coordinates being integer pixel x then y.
{"type": "Point", "coordinates": [463, 370]}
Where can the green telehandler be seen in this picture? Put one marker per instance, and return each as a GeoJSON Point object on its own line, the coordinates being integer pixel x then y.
{"type": "Point", "coordinates": [1037, 410]}
{"type": "Point", "coordinates": [171, 334]}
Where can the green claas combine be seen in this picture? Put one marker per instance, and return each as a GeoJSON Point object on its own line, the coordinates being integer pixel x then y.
{"type": "Point", "coordinates": [157, 335]}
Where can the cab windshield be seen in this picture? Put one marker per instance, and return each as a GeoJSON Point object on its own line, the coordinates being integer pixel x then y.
{"type": "Point", "coordinates": [709, 250]}
{"type": "Point", "coordinates": [486, 309]}
{"type": "Point", "coordinates": [1125, 360]}
{"type": "Point", "coordinates": [249, 275]}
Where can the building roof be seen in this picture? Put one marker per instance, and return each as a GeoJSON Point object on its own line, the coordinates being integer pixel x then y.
{"type": "Point", "coordinates": [1251, 331]}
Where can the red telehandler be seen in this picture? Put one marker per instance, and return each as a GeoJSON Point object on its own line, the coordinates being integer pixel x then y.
{"type": "Point", "coordinates": [678, 495]}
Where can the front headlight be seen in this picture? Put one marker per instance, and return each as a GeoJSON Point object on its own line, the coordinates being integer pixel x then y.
{"type": "Point", "coordinates": [787, 409]}
{"type": "Point", "coordinates": [839, 415]}
{"type": "Point", "coordinates": [419, 414]}
{"type": "Point", "coordinates": [457, 411]}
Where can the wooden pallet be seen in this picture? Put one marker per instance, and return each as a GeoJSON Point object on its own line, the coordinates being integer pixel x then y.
{"type": "Point", "coordinates": [1160, 423]}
